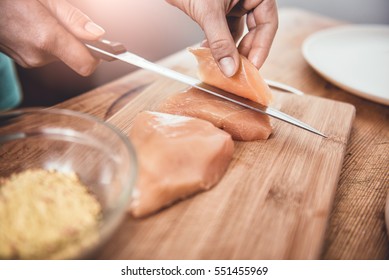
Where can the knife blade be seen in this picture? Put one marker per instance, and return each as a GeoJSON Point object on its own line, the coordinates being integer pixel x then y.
{"type": "Point", "coordinates": [109, 51]}
{"type": "Point", "coordinates": [283, 87]}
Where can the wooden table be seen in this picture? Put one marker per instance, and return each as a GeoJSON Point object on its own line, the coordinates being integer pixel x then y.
{"type": "Point", "coordinates": [356, 229]}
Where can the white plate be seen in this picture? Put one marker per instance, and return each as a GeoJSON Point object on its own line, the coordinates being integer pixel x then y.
{"type": "Point", "coordinates": [353, 57]}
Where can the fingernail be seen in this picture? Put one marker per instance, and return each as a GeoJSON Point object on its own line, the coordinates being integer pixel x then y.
{"type": "Point", "coordinates": [227, 65]}
{"type": "Point", "coordinates": [256, 60]}
{"type": "Point", "coordinates": [94, 29]}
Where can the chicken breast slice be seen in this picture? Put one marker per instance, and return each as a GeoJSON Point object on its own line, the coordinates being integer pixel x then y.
{"type": "Point", "coordinates": [247, 82]}
{"type": "Point", "coordinates": [243, 124]}
{"type": "Point", "coordinates": [178, 156]}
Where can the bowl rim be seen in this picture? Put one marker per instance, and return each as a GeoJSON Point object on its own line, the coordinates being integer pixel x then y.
{"type": "Point", "coordinates": [6, 115]}
{"type": "Point", "coordinates": [113, 218]}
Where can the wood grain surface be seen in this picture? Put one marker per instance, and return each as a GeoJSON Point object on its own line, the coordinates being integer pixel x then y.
{"type": "Point", "coordinates": [356, 229]}
{"type": "Point", "coordinates": [273, 203]}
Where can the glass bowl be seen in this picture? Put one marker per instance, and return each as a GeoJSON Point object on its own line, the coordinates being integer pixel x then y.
{"type": "Point", "coordinates": [70, 142]}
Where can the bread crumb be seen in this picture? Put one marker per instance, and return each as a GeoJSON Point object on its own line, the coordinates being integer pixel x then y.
{"type": "Point", "coordinates": [46, 215]}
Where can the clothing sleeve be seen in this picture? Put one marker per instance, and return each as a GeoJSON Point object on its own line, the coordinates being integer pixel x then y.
{"type": "Point", "coordinates": [10, 90]}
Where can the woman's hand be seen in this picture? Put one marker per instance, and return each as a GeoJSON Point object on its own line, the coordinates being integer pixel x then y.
{"type": "Point", "coordinates": [222, 22]}
{"type": "Point", "coordinates": [36, 32]}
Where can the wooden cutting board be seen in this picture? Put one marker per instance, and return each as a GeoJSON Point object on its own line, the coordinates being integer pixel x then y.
{"type": "Point", "coordinates": [273, 203]}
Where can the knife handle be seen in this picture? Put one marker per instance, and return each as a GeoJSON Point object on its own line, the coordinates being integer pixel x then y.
{"type": "Point", "coordinates": [108, 46]}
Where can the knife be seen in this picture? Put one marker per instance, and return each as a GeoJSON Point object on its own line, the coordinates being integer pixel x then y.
{"type": "Point", "coordinates": [283, 87]}
{"type": "Point", "coordinates": [109, 51]}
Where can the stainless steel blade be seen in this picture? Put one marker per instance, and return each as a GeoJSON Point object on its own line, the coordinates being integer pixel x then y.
{"type": "Point", "coordinates": [284, 87]}
{"type": "Point", "coordinates": [256, 107]}
{"type": "Point", "coordinates": [145, 64]}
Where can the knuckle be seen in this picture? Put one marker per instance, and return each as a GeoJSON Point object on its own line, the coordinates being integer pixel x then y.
{"type": "Point", "coordinates": [76, 17]}
{"type": "Point", "coordinates": [276, 25]}
{"type": "Point", "coordinates": [221, 48]}
{"type": "Point", "coordinates": [33, 60]}
{"type": "Point", "coordinates": [244, 48]}
{"type": "Point", "coordinates": [44, 41]}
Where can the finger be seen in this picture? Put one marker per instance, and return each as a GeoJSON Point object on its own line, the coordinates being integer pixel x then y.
{"type": "Point", "coordinates": [73, 53]}
{"type": "Point", "coordinates": [14, 55]}
{"type": "Point", "coordinates": [74, 20]}
{"type": "Point", "coordinates": [260, 37]}
{"type": "Point", "coordinates": [246, 42]}
{"type": "Point", "coordinates": [204, 43]}
{"type": "Point", "coordinates": [221, 43]}
{"type": "Point", "coordinates": [266, 18]}
{"type": "Point", "coordinates": [37, 38]}
{"type": "Point", "coordinates": [58, 42]}
{"type": "Point", "coordinates": [236, 26]}
{"type": "Point", "coordinates": [241, 8]}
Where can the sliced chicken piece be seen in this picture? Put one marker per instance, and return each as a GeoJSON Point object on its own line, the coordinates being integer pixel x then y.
{"type": "Point", "coordinates": [178, 156]}
{"type": "Point", "coordinates": [247, 82]}
{"type": "Point", "coordinates": [243, 124]}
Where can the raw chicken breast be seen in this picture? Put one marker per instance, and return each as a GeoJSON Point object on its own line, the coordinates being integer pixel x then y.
{"type": "Point", "coordinates": [243, 124]}
{"type": "Point", "coordinates": [178, 156]}
{"type": "Point", "coordinates": [247, 82]}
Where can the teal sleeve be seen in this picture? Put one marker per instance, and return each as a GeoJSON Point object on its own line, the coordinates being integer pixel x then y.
{"type": "Point", "coordinates": [10, 91]}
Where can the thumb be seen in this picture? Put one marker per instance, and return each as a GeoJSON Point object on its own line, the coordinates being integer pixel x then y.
{"type": "Point", "coordinates": [221, 43]}
{"type": "Point", "coordinates": [74, 20]}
